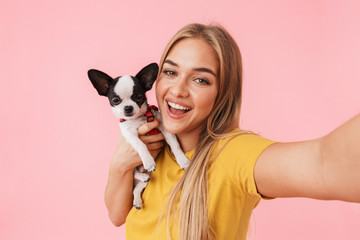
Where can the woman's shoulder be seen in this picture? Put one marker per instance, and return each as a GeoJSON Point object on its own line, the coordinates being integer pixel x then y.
{"type": "Point", "coordinates": [239, 139]}
{"type": "Point", "coordinates": [241, 148]}
{"type": "Point", "coordinates": [236, 157]}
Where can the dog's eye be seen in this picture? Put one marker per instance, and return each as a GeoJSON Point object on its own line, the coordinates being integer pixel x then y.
{"type": "Point", "coordinates": [139, 97]}
{"type": "Point", "coordinates": [115, 100]}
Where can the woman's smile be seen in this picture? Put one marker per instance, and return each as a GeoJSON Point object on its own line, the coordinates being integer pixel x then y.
{"type": "Point", "coordinates": [177, 109]}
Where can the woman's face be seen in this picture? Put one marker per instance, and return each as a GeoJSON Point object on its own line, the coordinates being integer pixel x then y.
{"type": "Point", "coordinates": [187, 86]}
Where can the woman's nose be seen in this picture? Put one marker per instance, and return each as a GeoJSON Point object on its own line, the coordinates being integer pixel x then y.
{"type": "Point", "coordinates": [180, 88]}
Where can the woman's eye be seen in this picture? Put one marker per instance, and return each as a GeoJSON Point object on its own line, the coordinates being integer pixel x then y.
{"type": "Point", "coordinates": [202, 81]}
{"type": "Point", "coordinates": [169, 73]}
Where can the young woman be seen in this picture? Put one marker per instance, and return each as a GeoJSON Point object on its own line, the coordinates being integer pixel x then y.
{"type": "Point", "coordinates": [199, 95]}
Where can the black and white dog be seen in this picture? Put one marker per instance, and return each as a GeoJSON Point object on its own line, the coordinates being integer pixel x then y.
{"type": "Point", "coordinates": [128, 102]}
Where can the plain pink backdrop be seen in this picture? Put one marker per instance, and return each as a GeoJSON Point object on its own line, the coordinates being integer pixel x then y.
{"type": "Point", "coordinates": [302, 79]}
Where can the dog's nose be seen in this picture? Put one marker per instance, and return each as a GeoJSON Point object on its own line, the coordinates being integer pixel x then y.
{"type": "Point", "coordinates": [128, 109]}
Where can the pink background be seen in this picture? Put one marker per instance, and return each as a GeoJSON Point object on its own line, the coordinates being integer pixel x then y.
{"type": "Point", "coordinates": [302, 79]}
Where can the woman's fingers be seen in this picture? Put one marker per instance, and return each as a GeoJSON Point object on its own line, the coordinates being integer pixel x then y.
{"type": "Point", "coordinates": [155, 146]}
{"type": "Point", "coordinates": [151, 138]}
{"type": "Point", "coordinates": [154, 143]}
{"type": "Point", "coordinates": [147, 127]}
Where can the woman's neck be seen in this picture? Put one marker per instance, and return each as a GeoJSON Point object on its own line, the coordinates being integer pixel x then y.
{"type": "Point", "coordinates": [188, 141]}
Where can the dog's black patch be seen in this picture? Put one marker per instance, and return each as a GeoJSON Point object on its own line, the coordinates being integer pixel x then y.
{"type": "Point", "coordinates": [139, 92]}
{"type": "Point", "coordinates": [114, 99]}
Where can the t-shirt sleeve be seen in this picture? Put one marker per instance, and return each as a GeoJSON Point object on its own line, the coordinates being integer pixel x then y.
{"type": "Point", "coordinates": [243, 152]}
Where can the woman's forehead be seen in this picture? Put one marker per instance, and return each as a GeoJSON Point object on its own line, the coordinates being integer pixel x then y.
{"type": "Point", "coordinates": [193, 53]}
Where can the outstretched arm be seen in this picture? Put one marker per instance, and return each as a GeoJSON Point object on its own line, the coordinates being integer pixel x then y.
{"type": "Point", "coordinates": [323, 168]}
{"type": "Point", "coordinates": [340, 157]}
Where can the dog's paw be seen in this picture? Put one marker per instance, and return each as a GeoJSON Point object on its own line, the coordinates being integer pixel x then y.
{"type": "Point", "coordinates": [148, 161]}
{"type": "Point", "coordinates": [137, 204]}
{"type": "Point", "coordinates": [183, 162]}
{"type": "Point", "coordinates": [150, 167]}
{"type": "Point", "coordinates": [144, 177]}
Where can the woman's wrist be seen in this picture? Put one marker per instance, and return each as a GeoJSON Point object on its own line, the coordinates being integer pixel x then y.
{"type": "Point", "coordinates": [118, 165]}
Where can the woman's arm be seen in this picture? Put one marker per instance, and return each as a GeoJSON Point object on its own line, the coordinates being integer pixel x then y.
{"type": "Point", "coordinates": [323, 168]}
{"type": "Point", "coordinates": [118, 192]}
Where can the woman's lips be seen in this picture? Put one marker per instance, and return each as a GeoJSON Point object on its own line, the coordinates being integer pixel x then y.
{"type": "Point", "coordinates": [177, 106]}
{"type": "Point", "coordinates": [175, 110]}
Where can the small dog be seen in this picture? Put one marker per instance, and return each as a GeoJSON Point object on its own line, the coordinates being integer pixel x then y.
{"type": "Point", "coordinates": [128, 102]}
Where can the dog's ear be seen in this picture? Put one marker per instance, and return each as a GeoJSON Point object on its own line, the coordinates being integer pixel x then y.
{"type": "Point", "coordinates": [148, 75]}
{"type": "Point", "coordinates": [101, 81]}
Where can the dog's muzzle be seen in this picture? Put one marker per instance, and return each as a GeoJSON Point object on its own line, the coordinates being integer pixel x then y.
{"type": "Point", "coordinates": [128, 110]}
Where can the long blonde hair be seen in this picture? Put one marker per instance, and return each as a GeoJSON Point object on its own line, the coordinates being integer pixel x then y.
{"type": "Point", "coordinates": [188, 201]}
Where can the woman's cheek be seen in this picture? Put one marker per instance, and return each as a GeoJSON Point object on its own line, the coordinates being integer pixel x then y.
{"type": "Point", "coordinates": [159, 93]}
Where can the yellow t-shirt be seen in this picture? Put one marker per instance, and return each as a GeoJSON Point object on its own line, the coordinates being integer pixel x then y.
{"type": "Point", "coordinates": [232, 191]}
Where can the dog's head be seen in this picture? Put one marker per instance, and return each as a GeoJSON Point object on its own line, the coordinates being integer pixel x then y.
{"type": "Point", "coordinates": [126, 94]}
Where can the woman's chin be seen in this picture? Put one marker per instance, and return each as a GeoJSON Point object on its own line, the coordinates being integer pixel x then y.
{"type": "Point", "coordinates": [172, 126]}
{"type": "Point", "coordinates": [172, 129]}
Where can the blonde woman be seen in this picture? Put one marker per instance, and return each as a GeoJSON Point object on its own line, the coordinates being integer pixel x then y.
{"type": "Point", "coordinates": [199, 95]}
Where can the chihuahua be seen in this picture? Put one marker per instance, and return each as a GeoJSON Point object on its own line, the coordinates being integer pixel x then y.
{"type": "Point", "coordinates": [128, 102]}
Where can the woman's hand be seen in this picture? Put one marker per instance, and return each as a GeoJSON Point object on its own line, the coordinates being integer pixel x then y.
{"type": "Point", "coordinates": [154, 142]}
{"type": "Point", "coordinates": [126, 158]}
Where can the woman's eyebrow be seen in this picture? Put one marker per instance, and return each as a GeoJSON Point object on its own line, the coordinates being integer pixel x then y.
{"type": "Point", "coordinates": [205, 70]}
{"type": "Point", "coordinates": [171, 62]}
{"type": "Point", "coordinates": [201, 69]}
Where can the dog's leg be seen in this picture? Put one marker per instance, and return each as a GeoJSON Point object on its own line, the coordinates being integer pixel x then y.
{"type": "Point", "coordinates": [131, 135]}
{"type": "Point", "coordinates": [171, 139]}
{"type": "Point", "coordinates": [138, 189]}
{"type": "Point", "coordinates": [142, 176]}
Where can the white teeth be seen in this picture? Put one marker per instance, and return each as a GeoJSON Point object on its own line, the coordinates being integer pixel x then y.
{"type": "Point", "coordinates": [177, 106]}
